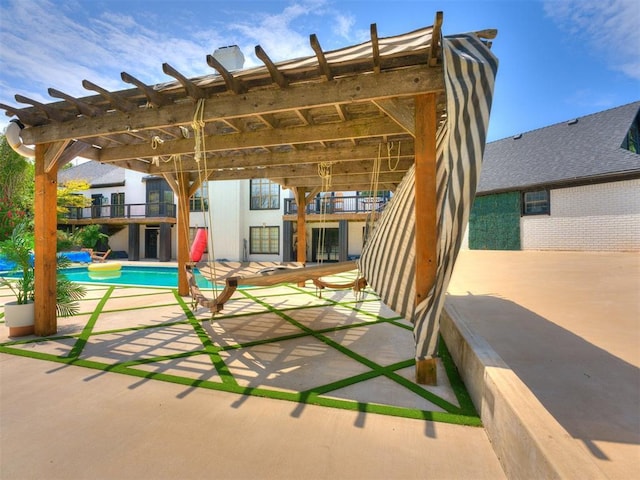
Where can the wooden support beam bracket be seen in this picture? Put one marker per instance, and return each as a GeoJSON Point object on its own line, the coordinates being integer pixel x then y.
{"type": "Point", "coordinates": [156, 98]}
{"type": "Point", "coordinates": [51, 112]}
{"type": "Point", "coordinates": [276, 75]}
{"type": "Point", "coordinates": [83, 107]}
{"type": "Point", "coordinates": [375, 47]}
{"type": "Point", "coordinates": [118, 102]}
{"type": "Point", "coordinates": [192, 89]}
{"type": "Point", "coordinates": [325, 69]}
{"type": "Point", "coordinates": [234, 84]}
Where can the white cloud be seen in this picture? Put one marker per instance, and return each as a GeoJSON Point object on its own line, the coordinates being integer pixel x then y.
{"type": "Point", "coordinates": [609, 27]}
{"type": "Point", "coordinates": [58, 43]}
{"type": "Point", "coordinates": [343, 26]}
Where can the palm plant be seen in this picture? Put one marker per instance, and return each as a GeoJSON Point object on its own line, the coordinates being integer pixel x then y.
{"type": "Point", "coordinates": [17, 250]}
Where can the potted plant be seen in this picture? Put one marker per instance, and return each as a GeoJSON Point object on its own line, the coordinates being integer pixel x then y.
{"type": "Point", "coordinates": [19, 315]}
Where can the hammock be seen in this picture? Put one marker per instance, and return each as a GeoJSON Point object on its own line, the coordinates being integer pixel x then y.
{"type": "Point", "coordinates": [267, 276]}
{"type": "Point", "coordinates": [388, 258]}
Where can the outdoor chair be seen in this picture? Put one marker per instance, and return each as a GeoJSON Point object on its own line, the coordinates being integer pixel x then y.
{"type": "Point", "coordinates": [100, 256]}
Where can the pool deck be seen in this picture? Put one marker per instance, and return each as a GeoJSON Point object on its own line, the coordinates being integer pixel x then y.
{"type": "Point", "coordinates": [564, 324]}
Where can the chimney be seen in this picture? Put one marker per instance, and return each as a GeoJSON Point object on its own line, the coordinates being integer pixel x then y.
{"type": "Point", "coordinates": [230, 57]}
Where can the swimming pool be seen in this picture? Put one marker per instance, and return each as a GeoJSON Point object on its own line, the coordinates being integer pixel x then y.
{"type": "Point", "coordinates": [133, 275]}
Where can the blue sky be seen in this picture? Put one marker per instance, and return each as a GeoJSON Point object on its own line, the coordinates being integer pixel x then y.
{"type": "Point", "coordinates": [559, 59]}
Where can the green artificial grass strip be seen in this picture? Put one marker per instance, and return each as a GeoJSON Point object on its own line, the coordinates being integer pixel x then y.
{"type": "Point", "coordinates": [86, 331]}
{"type": "Point", "coordinates": [426, 394]}
{"type": "Point", "coordinates": [342, 383]}
{"type": "Point", "coordinates": [359, 358]}
{"type": "Point", "coordinates": [308, 398]}
{"type": "Point", "coordinates": [378, 369]}
{"type": "Point", "coordinates": [312, 396]}
{"type": "Point", "coordinates": [210, 348]}
{"type": "Point", "coordinates": [457, 385]}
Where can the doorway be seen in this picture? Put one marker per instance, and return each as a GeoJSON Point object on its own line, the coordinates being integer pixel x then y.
{"type": "Point", "coordinates": [330, 251]}
{"type": "Point", "coordinates": [151, 242]}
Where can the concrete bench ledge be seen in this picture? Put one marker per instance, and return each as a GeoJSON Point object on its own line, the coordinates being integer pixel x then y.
{"type": "Point", "coordinates": [528, 441]}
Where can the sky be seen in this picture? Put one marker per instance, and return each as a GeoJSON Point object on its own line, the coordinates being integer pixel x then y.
{"type": "Point", "coordinates": [559, 59]}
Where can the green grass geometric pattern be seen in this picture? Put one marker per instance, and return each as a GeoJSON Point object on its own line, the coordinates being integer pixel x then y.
{"type": "Point", "coordinates": [464, 414]}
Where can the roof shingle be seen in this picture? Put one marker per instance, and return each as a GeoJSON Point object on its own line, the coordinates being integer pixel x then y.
{"type": "Point", "coordinates": [571, 151]}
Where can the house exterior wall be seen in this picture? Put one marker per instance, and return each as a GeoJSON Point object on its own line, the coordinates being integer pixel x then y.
{"type": "Point", "coordinates": [601, 217]}
{"type": "Point", "coordinates": [356, 238]}
{"type": "Point", "coordinates": [224, 222]}
{"type": "Point", "coordinates": [120, 240]}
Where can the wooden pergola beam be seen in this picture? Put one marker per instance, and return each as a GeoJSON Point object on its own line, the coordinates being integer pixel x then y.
{"type": "Point", "coordinates": [404, 82]}
{"type": "Point", "coordinates": [360, 128]}
{"type": "Point", "coordinates": [325, 69]}
{"type": "Point", "coordinates": [192, 89]}
{"type": "Point", "coordinates": [398, 112]}
{"type": "Point", "coordinates": [375, 48]}
{"type": "Point", "coordinates": [117, 101]}
{"type": "Point", "coordinates": [156, 98]}
{"type": "Point", "coordinates": [84, 108]}
{"type": "Point", "coordinates": [339, 181]}
{"type": "Point", "coordinates": [435, 52]}
{"type": "Point", "coordinates": [234, 84]}
{"type": "Point", "coordinates": [276, 75]}
{"type": "Point", "coordinates": [51, 112]}
{"type": "Point", "coordinates": [307, 170]}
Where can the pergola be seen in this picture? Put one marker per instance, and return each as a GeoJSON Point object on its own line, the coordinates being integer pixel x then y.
{"type": "Point", "coordinates": [279, 121]}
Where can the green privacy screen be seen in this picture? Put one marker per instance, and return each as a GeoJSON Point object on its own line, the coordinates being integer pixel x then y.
{"type": "Point", "coordinates": [494, 222]}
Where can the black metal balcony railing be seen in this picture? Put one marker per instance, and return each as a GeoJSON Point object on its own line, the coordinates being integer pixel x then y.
{"type": "Point", "coordinates": [339, 204]}
{"type": "Point", "coordinates": [129, 210]}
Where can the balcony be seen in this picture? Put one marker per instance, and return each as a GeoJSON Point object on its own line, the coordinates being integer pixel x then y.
{"type": "Point", "coordinates": [143, 213]}
{"type": "Point", "coordinates": [339, 207]}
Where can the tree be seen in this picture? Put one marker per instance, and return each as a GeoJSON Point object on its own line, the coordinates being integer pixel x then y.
{"type": "Point", "coordinates": [16, 188]}
{"type": "Point", "coordinates": [68, 196]}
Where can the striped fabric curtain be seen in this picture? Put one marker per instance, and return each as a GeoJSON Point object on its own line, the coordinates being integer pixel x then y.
{"type": "Point", "coordinates": [388, 258]}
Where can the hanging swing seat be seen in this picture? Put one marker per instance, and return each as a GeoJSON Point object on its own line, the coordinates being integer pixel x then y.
{"type": "Point", "coordinates": [267, 276]}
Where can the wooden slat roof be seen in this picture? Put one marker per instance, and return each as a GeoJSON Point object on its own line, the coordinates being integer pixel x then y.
{"type": "Point", "coordinates": [277, 121]}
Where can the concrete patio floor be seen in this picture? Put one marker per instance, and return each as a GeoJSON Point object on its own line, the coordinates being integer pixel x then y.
{"type": "Point", "coordinates": [166, 393]}
{"type": "Point", "coordinates": [565, 323]}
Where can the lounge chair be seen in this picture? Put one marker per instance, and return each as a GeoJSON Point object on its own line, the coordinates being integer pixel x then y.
{"type": "Point", "coordinates": [100, 256]}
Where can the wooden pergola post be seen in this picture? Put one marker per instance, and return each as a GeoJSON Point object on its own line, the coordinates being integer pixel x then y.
{"type": "Point", "coordinates": [425, 211]}
{"type": "Point", "coordinates": [183, 232]}
{"type": "Point", "coordinates": [45, 226]}
{"type": "Point", "coordinates": [183, 190]}
{"type": "Point", "coordinates": [301, 248]}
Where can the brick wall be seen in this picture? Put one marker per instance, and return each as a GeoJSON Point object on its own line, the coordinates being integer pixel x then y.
{"type": "Point", "coordinates": [592, 217]}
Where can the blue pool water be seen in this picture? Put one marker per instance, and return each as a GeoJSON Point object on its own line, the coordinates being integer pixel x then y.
{"type": "Point", "coordinates": [133, 275]}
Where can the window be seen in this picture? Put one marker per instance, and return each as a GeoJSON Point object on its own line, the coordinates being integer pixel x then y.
{"type": "Point", "coordinates": [264, 240]}
{"type": "Point", "coordinates": [159, 199]}
{"type": "Point", "coordinates": [117, 204]}
{"type": "Point", "coordinates": [200, 200]}
{"type": "Point", "coordinates": [632, 138]}
{"type": "Point", "coordinates": [535, 203]}
{"type": "Point", "coordinates": [198, 204]}
{"type": "Point", "coordinates": [265, 194]}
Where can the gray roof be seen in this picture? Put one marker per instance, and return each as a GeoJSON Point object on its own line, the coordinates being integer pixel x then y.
{"type": "Point", "coordinates": [564, 153]}
{"type": "Point", "coordinates": [96, 173]}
